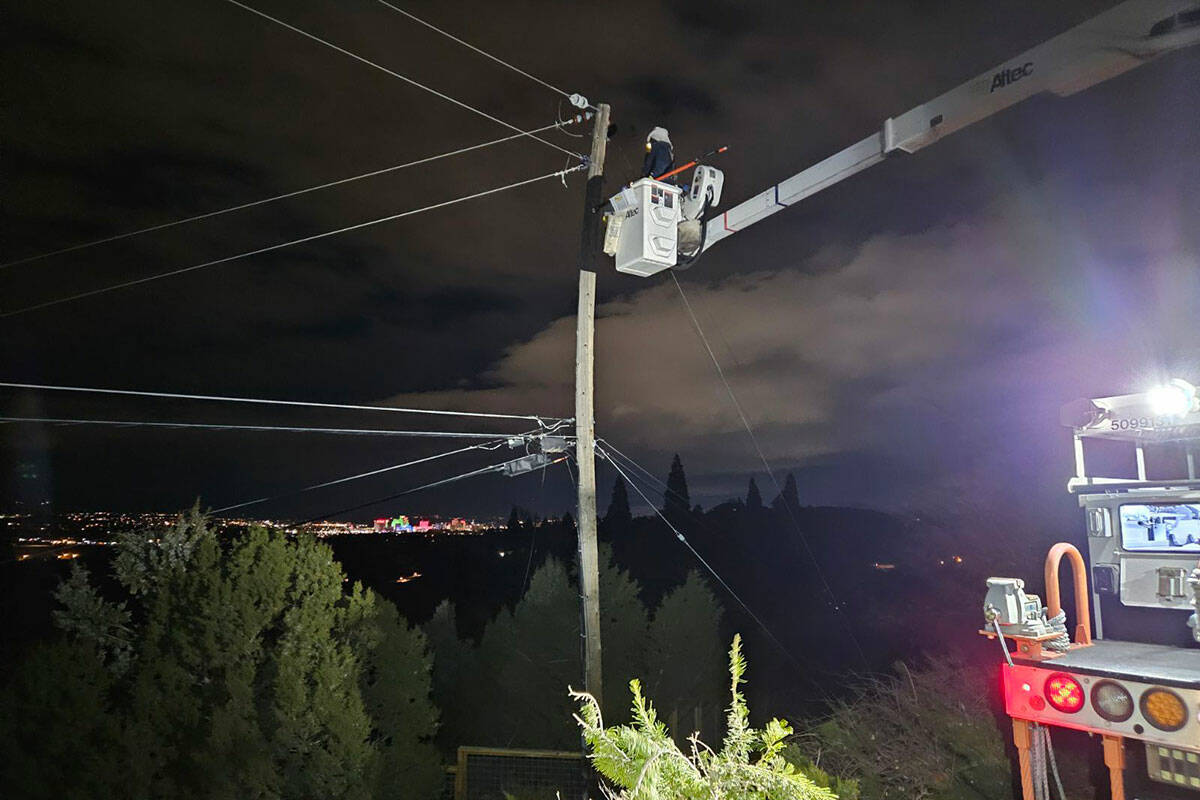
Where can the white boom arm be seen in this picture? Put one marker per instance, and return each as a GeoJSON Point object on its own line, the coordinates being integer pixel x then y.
{"type": "Point", "coordinates": [1118, 40]}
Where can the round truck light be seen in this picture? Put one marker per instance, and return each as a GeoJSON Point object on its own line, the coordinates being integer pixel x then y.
{"type": "Point", "coordinates": [1173, 399]}
{"type": "Point", "coordinates": [1064, 693]}
{"type": "Point", "coordinates": [1163, 709]}
{"type": "Point", "coordinates": [1112, 701]}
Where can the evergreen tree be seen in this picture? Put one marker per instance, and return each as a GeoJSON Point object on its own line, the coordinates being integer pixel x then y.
{"type": "Point", "coordinates": [528, 655]}
{"type": "Point", "coordinates": [685, 658]}
{"type": "Point", "coordinates": [624, 634]}
{"type": "Point", "coordinates": [455, 691]}
{"type": "Point", "coordinates": [396, 685]}
{"type": "Point", "coordinates": [676, 501]}
{"type": "Point", "coordinates": [247, 681]}
{"type": "Point", "coordinates": [789, 498]}
{"type": "Point", "coordinates": [643, 762]}
{"type": "Point", "coordinates": [754, 500]}
{"type": "Point", "coordinates": [59, 736]}
{"type": "Point", "coordinates": [618, 517]}
{"type": "Point", "coordinates": [249, 672]}
{"type": "Point", "coordinates": [514, 520]}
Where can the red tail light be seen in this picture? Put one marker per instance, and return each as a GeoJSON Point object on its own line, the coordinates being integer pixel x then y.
{"type": "Point", "coordinates": [1064, 693]}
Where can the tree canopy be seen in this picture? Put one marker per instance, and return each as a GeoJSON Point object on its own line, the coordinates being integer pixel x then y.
{"type": "Point", "coordinates": [676, 501]}
{"type": "Point", "coordinates": [754, 501]}
{"type": "Point", "coordinates": [244, 668]}
{"type": "Point", "coordinates": [645, 763]}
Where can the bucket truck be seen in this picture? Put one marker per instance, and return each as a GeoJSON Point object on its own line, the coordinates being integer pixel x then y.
{"type": "Point", "coordinates": [654, 226]}
{"type": "Point", "coordinates": [1143, 533]}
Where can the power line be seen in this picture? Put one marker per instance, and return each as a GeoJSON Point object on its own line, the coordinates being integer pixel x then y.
{"type": "Point", "coordinates": [559, 174]}
{"type": "Point", "coordinates": [261, 401]}
{"type": "Point", "coordinates": [443, 482]}
{"type": "Point", "coordinates": [762, 457]}
{"type": "Point", "coordinates": [284, 196]}
{"type": "Point", "coordinates": [470, 46]}
{"type": "Point", "coordinates": [404, 78]}
{"type": "Point", "coordinates": [699, 557]}
{"type": "Point", "coordinates": [133, 423]}
{"type": "Point", "coordinates": [648, 475]}
{"type": "Point", "coordinates": [349, 478]}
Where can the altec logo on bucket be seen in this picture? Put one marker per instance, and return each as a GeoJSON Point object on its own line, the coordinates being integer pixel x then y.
{"type": "Point", "coordinates": [1007, 77]}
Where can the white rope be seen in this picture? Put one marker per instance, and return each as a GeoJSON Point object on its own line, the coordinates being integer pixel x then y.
{"type": "Point", "coordinates": [360, 475]}
{"type": "Point", "coordinates": [1037, 764]}
{"type": "Point", "coordinates": [134, 423]}
{"type": "Point", "coordinates": [1062, 794]}
{"type": "Point", "coordinates": [280, 246]}
{"type": "Point", "coordinates": [470, 46]}
{"type": "Point", "coordinates": [268, 402]}
{"type": "Point", "coordinates": [284, 196]}
{"type": "Point", "coordinates": [771, 472]}
{"type": "Point", "coordinates": [1058, 624]}
{"type": "Point", "coordinates": [404, 78]}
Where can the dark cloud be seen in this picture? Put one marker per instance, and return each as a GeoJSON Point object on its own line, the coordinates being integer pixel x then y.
{"type": "Point", "coordinates": [1055, 241]}
{"type": "Point", "coordinates": [672, 95]}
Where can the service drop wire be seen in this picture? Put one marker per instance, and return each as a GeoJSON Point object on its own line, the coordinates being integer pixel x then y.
{"type": "Point", "coordinates": [296, 193]}
{"type": "Point", "coordinates": [488, 446]}
{"type": "Point", "coordinates": [699, 557]}
{"type": "Point", "coordinates": [270, 248]}
{"type": "Point", "coordinates": [423, 487]}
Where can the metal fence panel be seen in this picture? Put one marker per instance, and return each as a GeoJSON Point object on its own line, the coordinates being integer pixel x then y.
{"type": "Point", "coordinates": [490, 773]}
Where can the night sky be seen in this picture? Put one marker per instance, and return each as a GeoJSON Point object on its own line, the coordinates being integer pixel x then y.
{"type": "Point", "coordinates": [903, 340]}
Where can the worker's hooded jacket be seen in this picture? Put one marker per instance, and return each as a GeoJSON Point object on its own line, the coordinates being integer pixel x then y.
{"type": "Point", "coordinates": [660, 157]}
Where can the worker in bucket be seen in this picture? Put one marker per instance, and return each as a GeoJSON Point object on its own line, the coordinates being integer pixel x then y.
{"type": "Point", "coordinates": [660, 155]}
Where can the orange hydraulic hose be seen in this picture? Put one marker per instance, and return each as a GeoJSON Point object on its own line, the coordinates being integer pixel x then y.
{"type": "Point", "coordinates": [1083, 609]}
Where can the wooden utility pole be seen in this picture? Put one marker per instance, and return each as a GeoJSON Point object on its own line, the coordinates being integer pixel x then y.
{"type": "Point", "coordinates": [590, 252]}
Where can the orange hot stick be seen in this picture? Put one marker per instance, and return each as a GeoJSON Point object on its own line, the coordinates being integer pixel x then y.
{"type": "Point", "coordinates": [691, 163]}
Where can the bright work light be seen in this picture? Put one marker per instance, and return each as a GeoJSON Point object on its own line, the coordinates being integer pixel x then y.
{"type": "Point", "coordinates": [1174, 399]}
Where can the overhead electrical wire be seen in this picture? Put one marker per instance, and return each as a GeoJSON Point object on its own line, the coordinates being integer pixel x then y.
{"type": "Point", "coordinates": [443, 482]}
{"type": "Point", "coordinates": [404, 78]}
{"type": "Point", "coordinates": [470, 46]}
{"type": "Point", "coordinates": [268, 402]}
{"type": "Point", "coordinates": [696, 553]}
{"type": "Point", "coordinates": [562, 173]}
{"type": "Point", "coordinates": [490, 446]}
{"type": "Point", "coordinates": [648, 476]}
{"type": "Point", "coordinates": [135, 423]}
{"type": "Point", "coordinates": [762, 457]}
{"type": "Point", "coordinates": [242, 206]}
